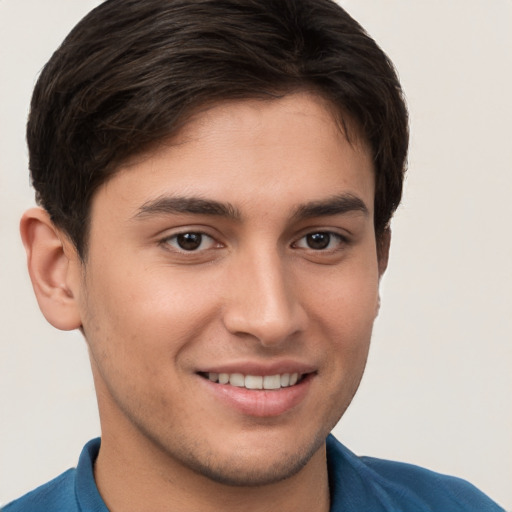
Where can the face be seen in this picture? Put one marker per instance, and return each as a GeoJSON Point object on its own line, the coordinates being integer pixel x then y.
{"type": "Point", "coordinates": [230, 290]}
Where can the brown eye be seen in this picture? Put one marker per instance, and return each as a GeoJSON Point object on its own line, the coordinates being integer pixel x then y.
{"type": "Point", "coordinates": [189, 241]}
{"type": "Point", "coordinates": [318, 241]}
{"type": "Point", "coordinates": [321, 241]}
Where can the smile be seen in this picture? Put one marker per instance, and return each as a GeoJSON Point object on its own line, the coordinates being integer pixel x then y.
{"type": "Point", "coordinates": [255, 382]}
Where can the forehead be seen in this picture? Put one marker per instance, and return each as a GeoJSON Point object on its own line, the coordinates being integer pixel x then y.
{"type": "Point", "coordinates": [280, 151]}
{"type": "Point", "coordinates": [267, 117]}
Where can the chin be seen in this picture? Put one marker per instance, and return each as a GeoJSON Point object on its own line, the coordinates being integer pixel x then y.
{"type": "Point", "coordinates": [239, 469]}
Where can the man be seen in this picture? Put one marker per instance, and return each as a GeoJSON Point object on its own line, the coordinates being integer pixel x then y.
{"type": "Point", "coordinates": [217, 181]}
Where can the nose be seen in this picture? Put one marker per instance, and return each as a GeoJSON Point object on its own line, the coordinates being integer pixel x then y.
{"type": "Point", "coordinates": [263, 301]}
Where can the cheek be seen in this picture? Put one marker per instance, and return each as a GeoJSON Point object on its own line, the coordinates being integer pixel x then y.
{"type": "Point", "coordinates": [145, 313]}
{"type": "Point", "coordinates": [343, 311]}
{"type": "Point", "coordinates": [347, 298]}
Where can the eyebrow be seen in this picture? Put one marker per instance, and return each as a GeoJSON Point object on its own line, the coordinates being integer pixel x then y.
{"type": "Point", "coordinates": [168, 205]}
{"type": "Point", "coordinates": [335, 205]}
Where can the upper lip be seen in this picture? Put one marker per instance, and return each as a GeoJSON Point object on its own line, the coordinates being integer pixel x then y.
{"type": "Point", "coordinates": [258, 368]}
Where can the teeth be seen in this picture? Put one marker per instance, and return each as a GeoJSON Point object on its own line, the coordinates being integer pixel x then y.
{"type": "Point", "coordinates": [255, 381]}
{"type": "Point", "coordinates": [272, 382]}
{"type": "Point", "coordinates": [237, 379]}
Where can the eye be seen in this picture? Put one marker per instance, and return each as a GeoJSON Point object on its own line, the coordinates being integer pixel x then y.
{"type": "Point", "coordinates": [190, 241]}
{"type": "Point", "coordinates": [320, 241]}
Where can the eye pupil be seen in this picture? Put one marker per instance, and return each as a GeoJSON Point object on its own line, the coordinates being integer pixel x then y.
{"type": "Point", "coordinates": [318, 240]}
{"type": "Point", "coordinates": [189, 241]}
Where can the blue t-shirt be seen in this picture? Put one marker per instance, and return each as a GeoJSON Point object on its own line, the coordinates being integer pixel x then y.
{"type": "Point", "coordinates": [357, 484]}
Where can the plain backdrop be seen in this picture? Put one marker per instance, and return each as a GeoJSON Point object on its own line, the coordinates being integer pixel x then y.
{"type": "Point", "coordinates": [437, 391]}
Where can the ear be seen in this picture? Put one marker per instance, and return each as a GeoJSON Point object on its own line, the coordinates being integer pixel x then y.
{"type": "Point", "coordinates": [54, 268]}
{"type": "Point", "coordinates": [383, 243]}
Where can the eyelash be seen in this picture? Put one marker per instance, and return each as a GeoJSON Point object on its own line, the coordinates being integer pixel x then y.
{"type": "Point", "coordinates": [190, 234]}
{"type": "Point", "coordinates": [199, 238]}
{"type": "Point", "coordinates": [340, 241]}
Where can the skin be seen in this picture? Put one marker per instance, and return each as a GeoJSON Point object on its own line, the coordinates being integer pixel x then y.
{"type": "Point", "coordinates": [254, 294]}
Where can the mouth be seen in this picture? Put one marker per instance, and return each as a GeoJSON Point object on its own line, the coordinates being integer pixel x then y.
{"type": "Point", "coordinates": [257, 391]}
{"type": "Point", "coordinates": [256, 382]}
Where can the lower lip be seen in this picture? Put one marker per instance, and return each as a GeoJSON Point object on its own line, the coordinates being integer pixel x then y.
{"type": "Point", "coordinates": [260, 403]}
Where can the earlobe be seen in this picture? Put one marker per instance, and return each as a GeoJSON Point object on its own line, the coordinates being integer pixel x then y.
{"type": "Point", "coordinates": [54, 269]}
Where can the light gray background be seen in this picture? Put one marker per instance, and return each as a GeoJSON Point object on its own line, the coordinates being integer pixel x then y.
{"type": "Point", "coordinates": [437, 391]}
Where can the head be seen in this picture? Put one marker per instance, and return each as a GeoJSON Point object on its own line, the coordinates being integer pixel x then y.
{"type": "Point", "coordinates": [218, 180]}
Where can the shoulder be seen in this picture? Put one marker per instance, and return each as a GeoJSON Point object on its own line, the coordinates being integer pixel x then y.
{"type": "Point", "coordinates": [382, 485]}
{"type": "Point", "coordinates": [56, 495]}
{"type": "Point", "coordinates": [73, 491]}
